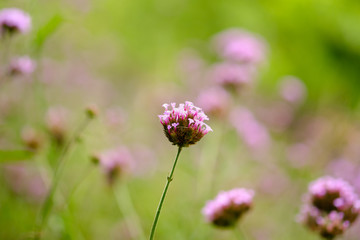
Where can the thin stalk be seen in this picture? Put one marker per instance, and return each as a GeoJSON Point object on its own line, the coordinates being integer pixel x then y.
{"type": "Point", "coordinates": [240, 235]}
{"type": "Point", "coordinates": [169, 179]}
{"type": "Point", "coordinates": [127, 208]}
{"type": "Point", "coordinates": [48, 203]}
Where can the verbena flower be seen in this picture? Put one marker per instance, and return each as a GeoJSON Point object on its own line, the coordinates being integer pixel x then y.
{"type": "Point", "coordinates": [228, 207]}
{"type": "Point", "coordinates": [241, 46]}
{"type": "Point", "coordinates": [253, 133]}
{"type": "Point", "coordinates": [22, 66]}
{"type": "Point", "coordinates": [184, 125]}
{"type": "Point", "coordinates": [13, 20]}
{"type": "Point", "coordinates": [115, 162]}
{"type": "Point", "coordinates": [292, 89]}
{"type": "Point", "coordinates": [330, 208]}
{"type": "Point", "coordinates": [215, 101]}
{"type": "Point", "coordinates": [31, 138]}
{"type": "Point", "coordinates": [56, 121]}
{"type": "Point", "coordinates": [231, 75]}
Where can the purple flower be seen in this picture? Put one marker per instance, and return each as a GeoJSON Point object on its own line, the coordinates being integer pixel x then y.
{"type": "Point", "coordinates": [56, 121]}
{"type": "Point", "coordinates": [240, 46]}
{"type": "Point", "coordinates": [254, 134]}
{"type": "Point", "coordinates": [331, 207]}
{"type": "Point", "coordinates": [184, 125]}
{"type": "Point", "coordinates": [31, 138]}
{"type": "Point", "coordinates": [214, 101]}
{"type": "Point", "coordinates": [115, 162]}
{"type": "Point", "coordinates": [14, 20]}
{"type": "Point", "coordinates": [228, 207]}
{"type": "Point", "coordinates": [292, 89]}
{"type": "Point", "coordinates": [232, 75]}
{"type": "Point", "coordinates": [22, 66]}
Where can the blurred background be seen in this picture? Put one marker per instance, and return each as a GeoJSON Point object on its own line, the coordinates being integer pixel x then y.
{"type": "Point", "coordinates": [284, 109]}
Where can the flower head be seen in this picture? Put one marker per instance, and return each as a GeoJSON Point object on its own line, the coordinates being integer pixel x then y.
{"type": "Point", "coordinates": [31, 138]}
{"type": "Point", "coordinates": [22, 66]}
{"type": "Point", "coordinates": [184, 125]}
{"type": "Point", "coordinates": [241, 46]}
{"type": "Point", "coordinates": [254, 134]}
{"type": "Point", "coordinates": [14, 20]}
{"type": "Point", "coordinates": [114, 162]}
{"type": "Point", "coordinates": [331, 207]}
{"type": "Point", "coordinates": [292, 89]}
{"type": "Point", "coordinates": [227, 208]}
{"type": "Point", "coordinates": [56, 121]}
{"type": "Point", "coordinates": [232, 75]}
{"type": "Point", "coordinates": [214, 101]}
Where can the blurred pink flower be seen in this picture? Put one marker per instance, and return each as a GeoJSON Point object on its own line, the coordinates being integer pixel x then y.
{"type": "Point", "coordinates": [292, 89]}
{"type": "Point", "coordinates": [298, 154]}
{"type": "Point", "coordinates": [232, 75]}
{"type": "Point", "coordinates": [115, 117]}
{"type": "Point", "coordinates": [22, 66]}
{"type": "Point", "coordinates": [26, 181]}
{"type": "Point", "coordinates": [31, 138]}
{"type": "Point", "coordinates": [115, 162]}
{"type": "Point", "coordinates": [184, 125]}
{"type": "Point", "coordinates": [215, 101]}
{"type": "Point", "coordinates": [241, 46]}
{"type": "Point", "coordinates": [253, 133]}
{"type": "Point", "coordinates": [228, 207]}
{"type": "Point", "coordinates": [56, 121]}
{"type": "Point", "coordinates": [330, 208]}
{"type": "Point", "coordinates": [14, 20]}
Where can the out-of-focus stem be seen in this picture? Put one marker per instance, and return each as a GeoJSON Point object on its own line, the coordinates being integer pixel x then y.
{"type": "Point", "coordinates": [127, 208]}
{"type": "Point", "coordinates": [169, 179]}
{"type": "Point", "coordinates": [240, 235]}
{"type": "Point", "coordinates": [208, 164]}
{"type": "Point", "coordinates": [48, 203]}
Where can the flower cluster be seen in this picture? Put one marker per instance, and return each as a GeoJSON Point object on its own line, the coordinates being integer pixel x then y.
{"type": "Point", "coordinates": [184, 125]}
{"type": "Point", "coordinates": [232, 75]}
{"type": "Point", "coordinates": [14, 20]}
{"type": "Point", "coordinates": [214, 101]}
{"type": "Point", "coordinates": [240, 46]}
{"type": "Point", "coordinates": [114, 162]}
{"type": "Point", "coordinates": [22, 66]}
{"type": "Point", "coordinates": [331, 207]}
{"type": "Point", "coordinates": [227, 208]}
{"type": "Point", "coordinates": [56, 121]}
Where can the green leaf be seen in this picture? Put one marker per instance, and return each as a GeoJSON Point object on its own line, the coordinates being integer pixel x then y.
{"type": "Point", "coordinates": [46, 31]}
{"type": "Point", "coordinates": [15, 155]}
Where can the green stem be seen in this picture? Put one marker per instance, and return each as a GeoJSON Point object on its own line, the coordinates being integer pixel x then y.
{"type": "Point", "coordinates": [48, 203]}
{"type": "Point", "coordinates": [240, 233]}
{"type": "Point", "coordinates": [127, 208]}
{"type": "Point", "coordinates": [169, 179]}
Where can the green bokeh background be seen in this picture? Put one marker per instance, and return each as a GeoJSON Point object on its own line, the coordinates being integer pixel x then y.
{"type": "Point", "coordinates": [135, 45]}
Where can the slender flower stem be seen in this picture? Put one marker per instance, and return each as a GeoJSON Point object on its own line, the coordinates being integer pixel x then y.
{"type": "Point", "coordinates": [48, 203]}
{"type": "Point", "coordinates": [169, 179]}
{"type": "Point", "coordinates": [240, 235]}
{"type": "Point", "coordinates": [127, 208]}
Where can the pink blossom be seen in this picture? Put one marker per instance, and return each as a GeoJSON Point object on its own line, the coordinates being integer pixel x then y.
{"type": "Point", "coordinates": [115, 162]}
{"type": "Point", "coordinates": [14, 20]}
{"type": "Point", "coordinates": [184, 125]}
{"type": "Point", "coordinates": [292, 89]}
{"type": "Point", "coordinates": [214, 101]}
{"type": "Point", "coordinates": [252, 132]}
{"type": "Point", "coordinates": [232, 75]}
{"type": "Point", "coordinates": [22, 66]}
{"type": "Point", "coordinates": [240, 45]}
{"type": "Point", "coordinates": [330, 207]}
{"type": "Point", "coordinates": [31, 138]}
{"type": "Point", "coordinates": [227, 208]}
{"type": "Point", "coordinates": [26, 181]}
{"type": "Point", "coordinates": [56, 121]}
